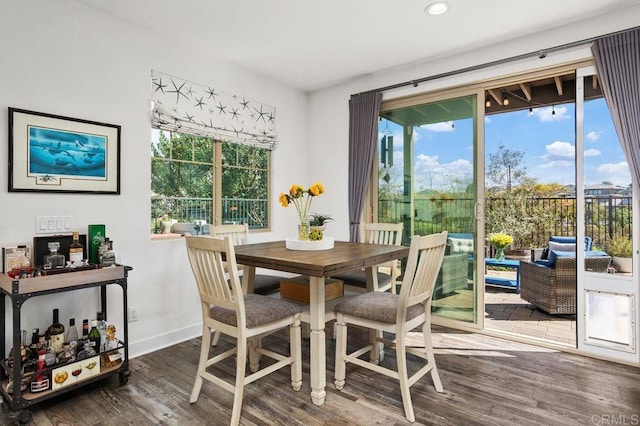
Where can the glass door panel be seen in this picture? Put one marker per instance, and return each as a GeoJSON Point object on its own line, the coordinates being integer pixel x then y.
{"type": "Point", "coordinates": [607, 291]}
{"type": "Point", "coordinates": [426, 179]}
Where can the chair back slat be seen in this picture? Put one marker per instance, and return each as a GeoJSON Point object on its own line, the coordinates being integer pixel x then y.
{"type": "Point", "coordinates": [239, 234]}
{"type": "Point", "coordinates": [423, 264]}
{"type": "Point", "coordinates": [207, 258]}
{"type": "Point", "coordinates": [383, 233]}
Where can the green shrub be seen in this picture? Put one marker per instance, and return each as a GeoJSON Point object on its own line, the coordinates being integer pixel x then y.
{"type": "Point", "coordinates": [620, 247]}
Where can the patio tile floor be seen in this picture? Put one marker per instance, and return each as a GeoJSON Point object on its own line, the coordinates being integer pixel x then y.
{"type": "Point", "coordinates": [506, 311]}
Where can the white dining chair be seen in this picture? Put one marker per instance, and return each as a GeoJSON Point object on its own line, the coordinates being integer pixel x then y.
{"type": "Point", "coordinates": [397, 314]}
{"type": "Point", "coordinates": [377, 233]}
{"type": "Point", "coordinates": [244, 317]}
{"type": "Point", "coordinates": [239, 234]}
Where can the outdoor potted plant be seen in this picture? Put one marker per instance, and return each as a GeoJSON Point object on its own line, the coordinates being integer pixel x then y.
{"type": "Point", "coordinates": [621, 249]}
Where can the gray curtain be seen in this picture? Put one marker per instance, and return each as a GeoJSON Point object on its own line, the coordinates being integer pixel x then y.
{"type": "Point", "coordinates": [617, 60]}
{"type": "Point", "coordinates": [363, 132]}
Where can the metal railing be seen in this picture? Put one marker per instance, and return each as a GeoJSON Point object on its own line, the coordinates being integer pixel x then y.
{"type": "Point", "coordinates": [184, 209]}
{"type": "Point", "coordinates": [605, 217]}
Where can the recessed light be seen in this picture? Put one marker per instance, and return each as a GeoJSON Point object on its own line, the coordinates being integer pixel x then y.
{"type": "Point", "coordinates": [436, 8]}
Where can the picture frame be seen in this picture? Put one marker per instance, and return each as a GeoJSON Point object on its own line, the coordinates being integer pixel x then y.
{"type": "Point", "coordinates": [52, 153]}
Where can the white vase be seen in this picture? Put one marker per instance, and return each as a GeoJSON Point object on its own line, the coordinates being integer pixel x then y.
{"type": "Point", "coordinates": [625, 264]}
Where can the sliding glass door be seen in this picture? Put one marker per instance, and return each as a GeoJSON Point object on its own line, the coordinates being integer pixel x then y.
{"type": "Point", "coordinates": [426, 180]}
{"type": "Point", "coordinates": [607, 273]}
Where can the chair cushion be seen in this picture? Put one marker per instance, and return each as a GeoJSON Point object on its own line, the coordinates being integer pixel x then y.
{"type": "Point", "coordinates": [557, 246]}
{"type": "Point", "coordinates": [460, 245]}
{"type": "Point", "coordinates": [359, 278]}
{"type": "Point", "coordinates": [554, 254]}
{"type": "Point", "coordinates": [259, 309]}
{"type": "Point", "coordinates": [265, 284]}
{"type": "Point", "coordinates": [588, 242]}
{"type": "Point", "coordinates": [375, 306]}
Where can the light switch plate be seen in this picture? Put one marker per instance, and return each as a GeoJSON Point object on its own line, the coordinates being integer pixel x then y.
{"type": "Point", "coordinates": [53, 224]}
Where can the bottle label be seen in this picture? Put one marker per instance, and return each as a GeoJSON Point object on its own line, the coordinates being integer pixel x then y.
{"type": "Point", "coordinates": [40, 385]}
{"type": "Point", "coordinates": [57, 341]}
{"type": "Point", "coordinates": [75, 256]}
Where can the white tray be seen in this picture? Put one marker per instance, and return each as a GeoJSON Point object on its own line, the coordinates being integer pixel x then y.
{"type": "Point", "coordinates": [324, 244]}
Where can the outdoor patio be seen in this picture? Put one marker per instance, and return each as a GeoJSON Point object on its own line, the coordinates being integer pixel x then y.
{"type": "Point", "coordinates": [506, 311]}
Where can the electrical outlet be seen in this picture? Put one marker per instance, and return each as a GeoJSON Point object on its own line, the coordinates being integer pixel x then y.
{"type": "Point", "coordinates": [133, 313]}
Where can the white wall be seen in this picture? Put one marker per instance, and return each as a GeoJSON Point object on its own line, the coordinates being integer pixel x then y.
{"type": "Point", "coordinates": [63, 58]}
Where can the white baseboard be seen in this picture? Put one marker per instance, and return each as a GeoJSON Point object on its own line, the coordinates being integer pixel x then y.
{"type": "Point", "coordinates": [161, 341]}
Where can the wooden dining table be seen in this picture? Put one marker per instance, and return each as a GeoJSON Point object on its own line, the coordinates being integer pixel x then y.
{"type": "Point", "coordinates": [317, 265]}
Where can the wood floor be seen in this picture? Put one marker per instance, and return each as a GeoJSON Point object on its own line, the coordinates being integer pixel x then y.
{"type": "Point", "coordinates": [487, 381]}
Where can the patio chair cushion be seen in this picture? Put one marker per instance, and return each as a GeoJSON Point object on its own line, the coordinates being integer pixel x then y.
{"type": "Point", "coordinates": [588, 242]}
{"type": "Point", "coordinates": [554, 254]}
{"type": "Point", "coordinates": [259, 310]}
{"type": "Point", "coordinates": [460, 245]}
{"type": "Point", "coordinates": [555, 246]}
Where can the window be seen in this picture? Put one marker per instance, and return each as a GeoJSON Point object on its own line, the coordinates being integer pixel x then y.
{"type": "Point", "coordinates": [196, 179]}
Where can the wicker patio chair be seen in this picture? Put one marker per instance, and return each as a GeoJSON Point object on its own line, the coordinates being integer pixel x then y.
{"type": "Point", "coordinates": [554, 289]}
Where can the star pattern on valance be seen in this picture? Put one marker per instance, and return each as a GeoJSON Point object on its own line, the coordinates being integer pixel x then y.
{"type": "Point", "coordinates": [183, 106]}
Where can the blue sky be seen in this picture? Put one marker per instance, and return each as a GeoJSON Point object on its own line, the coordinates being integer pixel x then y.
{"type": "Point", "coordinates": [443, 151]}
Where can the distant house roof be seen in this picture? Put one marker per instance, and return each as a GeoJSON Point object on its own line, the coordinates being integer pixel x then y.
{"type": "Point", "coordinates": [602, 189]}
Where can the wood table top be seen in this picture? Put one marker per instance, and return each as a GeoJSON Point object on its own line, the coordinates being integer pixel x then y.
{"type": "Point", "coordinates": [344, 257]}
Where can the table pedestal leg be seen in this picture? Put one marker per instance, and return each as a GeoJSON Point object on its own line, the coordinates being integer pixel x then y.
{"type": "Point", "coordinates": [317, 341]}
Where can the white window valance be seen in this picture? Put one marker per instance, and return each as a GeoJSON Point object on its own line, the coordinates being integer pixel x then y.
{"type": "Point", "coordinates": [179, 105]}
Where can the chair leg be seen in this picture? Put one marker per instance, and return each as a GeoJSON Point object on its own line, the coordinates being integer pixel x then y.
{"type": "Point", "coordinates": [403, 377]}
{"type": "Point", "coordinates": [295, 351]}
{"type": "Point", "coordinates": [240, 379]}
{"type": "Point", "coordinates": [376, 356]}
{"type": "Point", "coordinates": [431, 359]}
{"type": "Point", "coordinates": [255, 342]}
{"type": "Point", "coordinates": [202, 363]}
{"type": "Point", "coordinates": [341, 351]}
{"type": "Point", "coordinates": [216, 337]}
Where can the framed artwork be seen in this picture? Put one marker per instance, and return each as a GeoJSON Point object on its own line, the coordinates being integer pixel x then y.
{"type": "Point", "coordinates": [51, 153]}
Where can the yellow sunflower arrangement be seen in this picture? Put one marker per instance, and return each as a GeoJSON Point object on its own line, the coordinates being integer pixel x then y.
{"type": "Point", "coordinates": [296, 196]}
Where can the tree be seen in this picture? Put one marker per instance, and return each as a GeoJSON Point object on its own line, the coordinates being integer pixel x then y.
{"type": "Point", "coordinates": [505, 168]}
{"type": "Point", "coordinates": [512, 209]}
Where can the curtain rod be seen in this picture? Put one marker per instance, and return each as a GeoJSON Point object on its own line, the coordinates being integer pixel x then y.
{"type": "Point", "coordinates": [540, 53]}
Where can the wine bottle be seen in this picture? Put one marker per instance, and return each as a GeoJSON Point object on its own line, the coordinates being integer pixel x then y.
{"type": "Point", "coordinates": [56, 333]}
{"type": "Point", "coordinates": [76, 250]}
{"type": "Point", "coordinates": [94, 336]}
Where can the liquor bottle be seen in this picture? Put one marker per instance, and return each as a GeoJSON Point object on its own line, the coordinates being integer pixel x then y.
{"type": "Point", "coordinates": [54, 259]}
{"type": "Point", "coordinates": [102, 328]}
{"type": "Point", "coordinates": [108, 257]}
{"type": "Point", "coordinates": [32, 361]}
{"type": "Point", "coordinates": [85, 329]}
{"type": "Point", "coordinates": [94, 336]}
{"type": "Point", "coordinates": [72, 331]}
{"type": "Point", "coordinates": [41, 382]}
{"type": "Point", "coordinates": [56, 333]}
{"type": "Point", "coordinates": [76, 250]}
{"type": "Point", "coordinates": [23, 349]}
